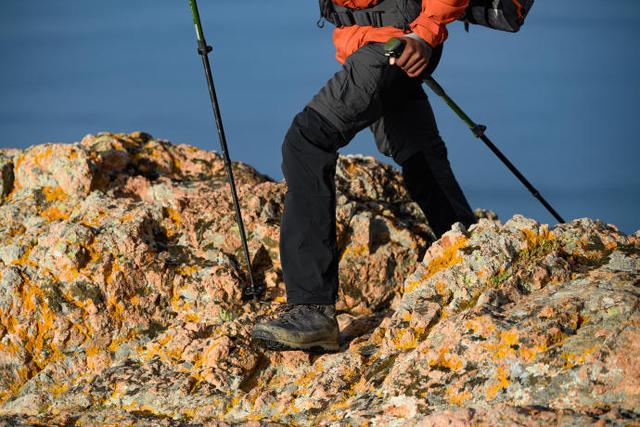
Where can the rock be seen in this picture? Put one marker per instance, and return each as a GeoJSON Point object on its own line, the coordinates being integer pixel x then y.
{"type": "Point", "coordinates": [120, 302]}
{"type": "Point", "coordinates": [6, 176]}
{"type": "Point", "coordinates": [54, 166]}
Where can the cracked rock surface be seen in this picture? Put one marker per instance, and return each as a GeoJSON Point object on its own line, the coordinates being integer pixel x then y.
{"type": "Point", "coordinates": [120, 302]}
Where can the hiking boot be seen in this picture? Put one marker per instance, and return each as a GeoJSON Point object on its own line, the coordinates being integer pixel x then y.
{"type": "Point", "coordinates": [300, 327]}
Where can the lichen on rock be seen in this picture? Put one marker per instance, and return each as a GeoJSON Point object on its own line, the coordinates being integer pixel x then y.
{"type": "Point", "coordinates": [120, 302]}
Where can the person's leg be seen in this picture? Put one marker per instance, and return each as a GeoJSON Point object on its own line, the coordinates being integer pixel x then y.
{"type": "Point", "coordinates": [408, 133]}
{"type": "Point", "coordinates": [308, 252]}
{"type": "Point", "coordinates": [430, 182]}
{"type": "Point", "coordinates": [349, 102]}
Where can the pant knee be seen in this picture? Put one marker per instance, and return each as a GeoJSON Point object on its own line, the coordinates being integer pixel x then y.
{"type": "Point", "coordinates": [309, 154]}
{"type": "Point", "coordinates": [310, 127]}
{"type": "Point", "coordinates": [437, 148]}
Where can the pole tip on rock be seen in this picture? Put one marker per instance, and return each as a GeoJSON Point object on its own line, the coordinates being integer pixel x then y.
{"type": "Point", "coordinates": [254, 292]}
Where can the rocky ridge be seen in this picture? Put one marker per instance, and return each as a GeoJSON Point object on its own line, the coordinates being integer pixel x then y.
{"type": "Point", "coordinates": [120, 303]}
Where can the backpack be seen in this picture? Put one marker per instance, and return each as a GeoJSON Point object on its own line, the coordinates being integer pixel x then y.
{"type": "Point", "coordinates": [504, 15]}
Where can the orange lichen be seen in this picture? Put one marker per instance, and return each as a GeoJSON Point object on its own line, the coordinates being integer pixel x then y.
{"type": "Point", "coordinates": [501, 383]}
{"type": "Point", "coordinates": [187, 270]}
{"type": "Point", "coordinates": [529, 354]}
{"type": "Point", "coordinates": [574, 359]}
{"type": "Point", "coordinates": [449, 257]}
{"type": "Point", "coordinates": [54, 194]}
{"type": "Point", "coordinates": [535, 239]}
{"type": "Point", "coordinates": [95, 220]}
{"type": "Point", "coordinates": [482, 326]}
{"type": "Point", "coordinates": [42, 154]}
{"type": "Point", "coordinates": [94, 355]}
{"type": "Point", "coordinates": [174, 216]}
{"type": "Point", "coordinates": [24, 259]}
{"type": "Point", "coordinates": [355, 250]}
{"type": "Point", "coordinates": [53, 213]}
{"type": "Point", "coordinates": [115, 267]}
{"type": "Point", "coordinates": [441, 288]}
{"type": "Point", "coordinates": [118, 341]}
{"type": "Point", "coordinates": [69, 274]}
{"type": "Point", "coordinates": [506, 347]}
{"type": "Point", "coordinates": [167, 351]}
{"type": "Point", "coordinates": [447, 361]}
{"type": "Point", "coordinates": [407, 339]}
{"type": "Point", "coordinates": [457, 398]}
{"type": "Point", "coordinates": [58, 388]}
{"type": "Point", "coordinates": [33, 335]}
{"type": "Point", "coordinates": [116, 308]}
{"type": "Point", "coordinates": [351, 168]}
{"type": "Point", "coordinates": [127, 217]}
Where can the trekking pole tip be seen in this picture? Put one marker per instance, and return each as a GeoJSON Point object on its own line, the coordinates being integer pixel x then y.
{"type": "Point", "coordinates": [253, 291]}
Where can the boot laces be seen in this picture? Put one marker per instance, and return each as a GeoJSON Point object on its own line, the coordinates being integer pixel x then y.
{"type": "Point", "coordinates": [291, 313]}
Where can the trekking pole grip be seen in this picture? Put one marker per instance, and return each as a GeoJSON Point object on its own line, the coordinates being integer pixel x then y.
{"type": "Point", "coordinates": [394, 47]}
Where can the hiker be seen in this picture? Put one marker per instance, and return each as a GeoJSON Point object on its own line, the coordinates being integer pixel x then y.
{"type": "Point", "coordinates": [370, 90]}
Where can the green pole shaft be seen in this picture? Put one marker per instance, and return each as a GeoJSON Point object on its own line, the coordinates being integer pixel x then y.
{"type": "Point", "coordinates": [254, 289]}
{"type": "Point", "coordinates": [393, 49]}
{"type": "Point", "coordinates": [478, 131]}
{"type": "Point", "coordinates": [196, 20]}
{"type": "Point", "coordinates": [438, 90]}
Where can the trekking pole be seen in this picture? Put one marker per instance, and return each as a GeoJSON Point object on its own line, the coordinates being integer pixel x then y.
{"type": "Point", "coordinates": [393, 48]}
{"type": "Point", "coordinates": [253, 291]}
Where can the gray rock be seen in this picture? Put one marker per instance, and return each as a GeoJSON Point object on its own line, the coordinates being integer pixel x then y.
{"type": "Point", "coordinates": [619, 261]}
{"type": "Point", "coordinates": [6, 177]}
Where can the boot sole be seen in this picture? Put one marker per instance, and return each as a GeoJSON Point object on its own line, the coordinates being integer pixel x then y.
{"type": "Point", "coordinates": [312, 347]}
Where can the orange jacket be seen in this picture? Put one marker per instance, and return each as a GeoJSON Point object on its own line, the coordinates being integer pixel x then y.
{"type": "Point", "coordinates": [430, 25]}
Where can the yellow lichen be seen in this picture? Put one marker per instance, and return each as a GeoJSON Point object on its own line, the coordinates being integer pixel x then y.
{"type": "Point", "coordinates": [506, 347]}
{"type": "Point", "coordinates": [174, 216]}
{"type": "Point", "coordinates": [53, 213]}
{"type": "Point", "coordinates": [407, 339]}
{"type": "Point", "coordinates": [95, 219]}
{"type": "Point", "coordinates": [482, 326]}
{"type": "Point", "coordinates": [54, 194]}
{"type": "Point", "coordinates": [447, 361]}
{"type": "Point", "coordinates": [501, 383]}
{"type": "Point", "coordinates": [457, 398]}
{"type": "Point", "coordinates": [449, 257]}
{"type": "Point", "coordinates": [441, 288]}
{"type": "Point", "coordinates": [529, 354]}
{"type": "Point", "coordinates": [574, 359]}
{"type": "Point", "coordinates": [24, 259]}
{"type": "Point", "coordinates": [117, 309]}
{"type": "Point", "coordinates": [355, 250]}
{"type": "Point", "coordinates": [118, 341]}
{"type": "Point", "coordinates": [115, 267]}
{"type": "Point", "coordinates": [58, 388]}
{"type": "Point", "coordinates": [187, 270]}
{"type": "Point", "coordinates": [535, 239]}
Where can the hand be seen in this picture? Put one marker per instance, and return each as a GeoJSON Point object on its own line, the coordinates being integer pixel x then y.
{"type": "Point", "coordinates": [414, 58]}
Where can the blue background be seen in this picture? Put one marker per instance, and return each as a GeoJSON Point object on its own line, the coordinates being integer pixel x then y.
{"type": "Point", "coordinates": [559, 97]}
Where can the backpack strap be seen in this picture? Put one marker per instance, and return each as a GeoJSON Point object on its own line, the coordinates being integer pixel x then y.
{"type": "Point", "coordinates": [348, 18]}
{"type": "Point", "coordinates": [387, 13]}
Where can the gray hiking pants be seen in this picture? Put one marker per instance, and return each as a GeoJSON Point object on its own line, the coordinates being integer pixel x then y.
{"type": "Point", "coordinates": [366, 92]}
